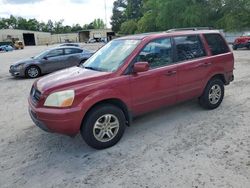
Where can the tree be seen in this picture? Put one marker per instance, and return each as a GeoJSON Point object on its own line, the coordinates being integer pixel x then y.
{"type": "Point", "coordinates": [128, 27]}
{"type": "Point", "coordinates": [98, 24]}
{"type": "Point", "coordinates": [119, 16]}
{"type": "Point", "coordinates": [133, 9]}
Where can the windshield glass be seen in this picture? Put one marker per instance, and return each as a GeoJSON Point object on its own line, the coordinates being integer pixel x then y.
{"type": "Point", "coordinates": [110, 57]}
{"type": "Point", "coordinates": [41, 55]}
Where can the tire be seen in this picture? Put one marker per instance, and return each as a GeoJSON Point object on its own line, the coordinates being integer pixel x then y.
{"type": "Point", "coordinates": [95, 128]}
{"type": "Point", "coordinates": [32, 72]}
{"type": "Point", "coordinates": [213, 94]}
{"type": "Point", "coordinates": [235, 47]}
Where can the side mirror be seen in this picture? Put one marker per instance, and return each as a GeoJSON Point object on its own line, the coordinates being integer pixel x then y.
{"type": "Point", "coordinates": [140, 67]}
{"type": "Point", "coordinates": [45, 58]}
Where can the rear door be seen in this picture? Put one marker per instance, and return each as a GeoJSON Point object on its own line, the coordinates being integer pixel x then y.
{"type": "Point", "coordinates": [193, 66]}
{"type": "Point", "coordinates": [156, 87]}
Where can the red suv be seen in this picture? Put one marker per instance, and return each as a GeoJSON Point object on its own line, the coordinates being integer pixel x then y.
{"type": "Point", "coordinates": [242, 42]}
{"type": "Point", "coordinates": [130, 76]}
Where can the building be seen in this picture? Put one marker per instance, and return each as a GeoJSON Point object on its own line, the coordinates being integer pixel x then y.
{"type": "Point", "coordinates": [67, 37]}
{"type": "Point", "coordinates": [85, 35]}
{"type": "Point", "coordinates": [29, 38]}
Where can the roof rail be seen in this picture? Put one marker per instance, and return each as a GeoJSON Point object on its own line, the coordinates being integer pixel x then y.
{"type": "Point", "coordinates": [190, 29]}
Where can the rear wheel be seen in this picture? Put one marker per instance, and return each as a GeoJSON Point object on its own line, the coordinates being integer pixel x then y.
{"type": "Point", "coordinates": [213, 94]}
{"type": "Point", "coordinates": [32, 72]}
{"type": "Point", "coordinates": [103, 126]}
{"type": "Point", "coordinates": [235, 47]}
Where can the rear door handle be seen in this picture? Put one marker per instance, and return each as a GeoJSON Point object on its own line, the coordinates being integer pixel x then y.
{"type": "Point", "coordinates": [170, 73]}
{"type": "Point", "coordinates": [207, 64]}
{"type": "Point", "coordinates": [203, 65]}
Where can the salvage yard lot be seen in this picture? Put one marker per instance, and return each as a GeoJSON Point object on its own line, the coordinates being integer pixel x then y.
{"type": "Point", "coordinates": [179, 146]}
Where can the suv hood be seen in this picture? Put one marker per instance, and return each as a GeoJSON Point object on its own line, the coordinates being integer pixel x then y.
{"type": "Point", "coordinates": [69, 77]}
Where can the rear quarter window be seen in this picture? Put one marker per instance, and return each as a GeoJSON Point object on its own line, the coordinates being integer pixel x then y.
{"type": "Point", "coordinates": [216, 44]}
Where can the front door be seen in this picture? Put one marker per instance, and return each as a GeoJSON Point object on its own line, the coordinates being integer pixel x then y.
{"type": "Point", "coordinates": [156, 87]}
{"type": "Point", "coordinates": [54, 60]}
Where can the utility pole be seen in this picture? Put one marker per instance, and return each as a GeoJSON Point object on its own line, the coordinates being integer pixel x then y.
{"type": "Point", "coordinates": [105, 7]}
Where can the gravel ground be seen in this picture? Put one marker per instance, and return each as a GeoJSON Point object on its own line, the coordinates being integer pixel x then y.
{"type": "Point", "coordinates": [181, 146]}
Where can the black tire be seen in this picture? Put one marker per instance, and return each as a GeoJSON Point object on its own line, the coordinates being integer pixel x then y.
{"type": "Point", "coordinates": [32, 67]}
{"type": "Point", "coordinates": [88, 130]}
{"type": "Point", "coordinates": [208, 100]}
{"type": "Point", "coordinates": [235, 47]}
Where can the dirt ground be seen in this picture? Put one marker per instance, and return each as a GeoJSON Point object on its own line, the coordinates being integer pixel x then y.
{"type": "Point", "coordinates": [182, 146]}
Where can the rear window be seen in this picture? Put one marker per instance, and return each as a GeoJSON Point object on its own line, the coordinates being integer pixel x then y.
{"type": "Point", "coordinates": [216, 44]}
{"type": "Point", "coordinates": [189, 47]}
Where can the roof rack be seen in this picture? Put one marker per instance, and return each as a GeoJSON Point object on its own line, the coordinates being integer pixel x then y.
{"type": "Point", "coordinates": [190, 29]}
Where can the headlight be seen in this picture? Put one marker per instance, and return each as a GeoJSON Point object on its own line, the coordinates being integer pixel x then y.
{"type": "Point", "coordinates": [60, 99]}
{"type": "Point", "coordinates": [19, 66]}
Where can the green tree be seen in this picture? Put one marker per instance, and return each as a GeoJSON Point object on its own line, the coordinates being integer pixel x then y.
{"type": "Point", "coordinates": [128, 27]}
{"type": "Point", "coordinates": [119, 16]}
{"type": "Point", "coordinates": [98, 24]}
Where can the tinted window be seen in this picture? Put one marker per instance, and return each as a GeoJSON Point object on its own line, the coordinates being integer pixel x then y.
{"type": "Point", "coordinates": [54, 53]}
{"type": "Point", "coordinates": [189, 47]}
{"type": "Point", "coordinates": [157, 53]}
{"type": "Point", "coordinates": [68, 51]}
{"type": "Point", "coordinates": [216, 44]}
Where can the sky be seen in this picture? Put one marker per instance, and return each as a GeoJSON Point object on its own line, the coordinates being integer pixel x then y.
{"type": "Point", "coordinates": [71, 11]}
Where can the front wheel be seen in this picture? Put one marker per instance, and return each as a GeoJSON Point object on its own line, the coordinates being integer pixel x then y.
{"type": "Point", "coordinates": [103, 126]}
{"type": "Point", "coordinates": [32, 72]}
{"type": "Point", "coordinates": [213, 94]}
{"type": "Point", "coordinates": [235, 47]}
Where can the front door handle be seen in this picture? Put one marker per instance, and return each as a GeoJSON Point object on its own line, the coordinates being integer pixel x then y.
{"type": "Point", "coordinates": [171, 73]}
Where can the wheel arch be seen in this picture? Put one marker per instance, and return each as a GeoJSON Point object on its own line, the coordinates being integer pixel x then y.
{"type": "Point", "coordinates": [32, 65]}
{"type": "Point", "coordinates": [218, 76]}
{"type": "Point", "coordinates": [113, 101]}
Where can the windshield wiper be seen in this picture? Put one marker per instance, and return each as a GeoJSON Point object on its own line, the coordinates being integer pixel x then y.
{"type": "Point", "coordinates": [92, 68]}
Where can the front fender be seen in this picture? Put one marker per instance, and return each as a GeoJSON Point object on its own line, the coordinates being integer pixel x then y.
{"type": "Point", "coordinates": [101, 95]}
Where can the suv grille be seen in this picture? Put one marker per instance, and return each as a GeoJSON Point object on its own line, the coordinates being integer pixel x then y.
{"type": "Point", "coordinates": [35, 95]}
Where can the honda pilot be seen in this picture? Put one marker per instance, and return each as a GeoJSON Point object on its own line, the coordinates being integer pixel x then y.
{"type": "Point", "coordinates": [131, 76]}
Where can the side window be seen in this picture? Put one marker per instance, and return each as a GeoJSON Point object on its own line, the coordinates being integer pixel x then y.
{"type": "Point", "coordinates": [216, 44]}
{"type": "Point", "coordinates": [157, 53]}
{"type": "Point", "coordinates": [189, 47]}
{"type": "Point", "coordinates": [69, 51]}
{"type": "Point", "coordinates": [54, 53]}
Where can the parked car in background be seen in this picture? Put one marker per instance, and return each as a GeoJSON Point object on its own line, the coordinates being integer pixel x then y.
{"type": "Point", "coordinates": [18, 45]}
{"type": "Point", "coordinates": [242, 42]}
{"type": "Point", "coordinates": [6, 48]}
{"type": "Point", "coordinates": [70, 44]}
{"type": "Point", "coordinates": [49, 61]}
{"type": "Point", "coordinates": [130, 76]}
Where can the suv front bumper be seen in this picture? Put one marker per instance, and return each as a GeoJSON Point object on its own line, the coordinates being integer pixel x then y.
{"type": "Point", "coordinates": [65, 121]}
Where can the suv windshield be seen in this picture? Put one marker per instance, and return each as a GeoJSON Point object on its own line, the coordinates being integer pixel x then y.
{"type": "Point", "coordinates": [110, 57]}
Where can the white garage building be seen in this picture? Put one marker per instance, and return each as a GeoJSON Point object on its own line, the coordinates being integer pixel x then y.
{"type": "Point", "coordinates": [29, 38]}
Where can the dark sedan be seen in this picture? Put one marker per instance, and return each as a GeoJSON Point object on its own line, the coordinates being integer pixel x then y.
{"type": "Point", "coordinates": [49, 61]}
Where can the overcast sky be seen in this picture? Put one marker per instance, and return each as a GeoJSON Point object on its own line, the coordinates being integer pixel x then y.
{"type": "Point", "coordinates": [72, 11]}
